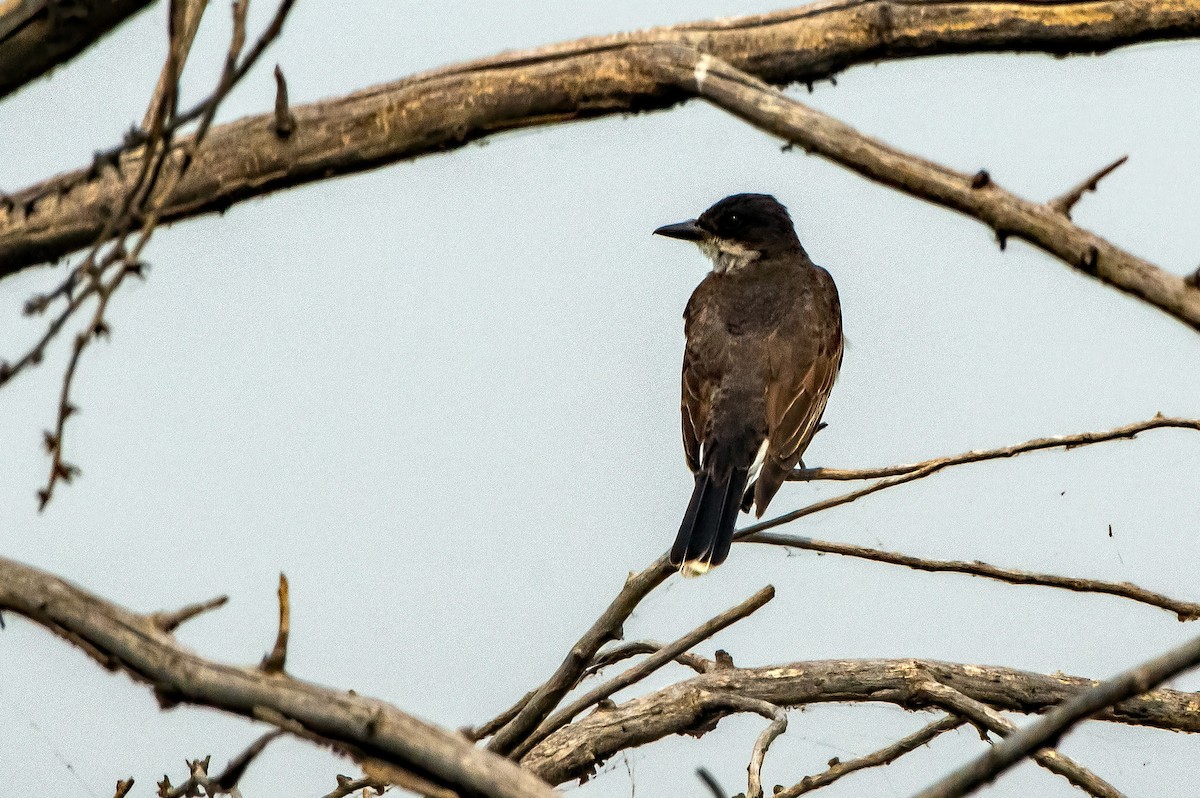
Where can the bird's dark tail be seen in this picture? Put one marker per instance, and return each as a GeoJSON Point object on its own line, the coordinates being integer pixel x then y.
{"type": "Point", "coordinates": [707, 529]}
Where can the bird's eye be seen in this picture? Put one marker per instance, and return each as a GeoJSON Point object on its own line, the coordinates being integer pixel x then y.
{"type": "Point", "coordinates": [735, 219]}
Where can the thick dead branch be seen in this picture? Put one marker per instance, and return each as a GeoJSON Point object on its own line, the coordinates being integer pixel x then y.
{"type": "Point", "coordinates": [989, 719]}
{"type": "Point", "coordinates": [38, 35]}
{"type": "Point", "coordinates": [927, 467]}
{"type": "Point", "coordinates": [536, 707]}
{"type": "Point", "coordinates": [1048, 730]}
{"type": "Point", "coordinates": [644, 668]}
{"type": "Point", "coordinates": [1184, 610]}
{"type": "Point", "coordinates": [449, 107]}
{"type": "Point", "coordinates": [884, 756]}
{"type": "Point", "coordinates": [750, 99]}
{"type": "Point", "coordinates": [124, 640]}
{"type": "Point", "coordinates": [696, 705]}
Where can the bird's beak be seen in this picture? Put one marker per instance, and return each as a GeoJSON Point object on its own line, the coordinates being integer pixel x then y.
{"type": "Point", "coordinates": [686, 231]}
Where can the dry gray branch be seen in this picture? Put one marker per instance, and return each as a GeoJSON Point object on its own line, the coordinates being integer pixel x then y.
{"type": "Point", "coordinates": [927, 467]}
{"type": "Point", "coordinates": [758, 754]}
{"type": "Point", "coordinates": [130, 642]}
{"type": "Point", "coordinates": [987, 718]}
{"type": "Point", "coordinates": [884, 756]}
{"type": "Point", "coordinates": [1184, 610]}
{"type": "Point", "coordinates": [643, 669]}
{"type": "Point", "coordinates": [537, 706]}
{"type": "Point", "coordinates": [696, 705]}
{"type": "Point", "coordinates": [1048, 730]}
{"type": "Point", "coordinates": [977, 196]}
{"type": "Point", "coordinates": [452, 106]}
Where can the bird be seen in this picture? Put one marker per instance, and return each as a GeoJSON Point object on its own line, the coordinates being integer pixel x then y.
{"type": "Point", "coordinates": [763, 347]}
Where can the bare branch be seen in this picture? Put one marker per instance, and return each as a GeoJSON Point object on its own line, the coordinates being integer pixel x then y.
{"type": "Point", "coordinates": [170, 621]}
{"type": "Point", "coordinates": [927, 467]}
{"type": "Point", "coordinates": [635, 648]}
{"type": "Point", "coordinates": [1184, 610]}
{"type": "Point", "coordinates": [537, 708]}
{"type": "Point", "coordinates": [644, 668]}
{"type": "Point", "coordinates": [770, 110]}
{"type": "Point", "coordinates": [696, 705]}
{"type": "Point", "coordinates": [987, 718]}
{"type": "Point", "coordinates": [1048, 730]}
{"type": "Point", "coordinates": [884, 756]}
{"type": "Point", "coordinates": [778, 726]}
{"type": "Point", "coordinates": [123, 788]}
{"type": "Point", "coordinates": [1067, 201]}
{"type": "Point", "coordinates": [38, 35]}
{"type": "Point", "coordinates": [125, 640]}
{"type": "Point", "coordinates": [449, 107]}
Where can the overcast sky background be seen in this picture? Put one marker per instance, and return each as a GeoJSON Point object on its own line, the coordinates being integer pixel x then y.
{"type": "Point", "coordinates": [443, 398]}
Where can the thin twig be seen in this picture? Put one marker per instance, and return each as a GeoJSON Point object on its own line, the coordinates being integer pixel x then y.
{"type": "Point", "coordinates": [1127, 432]}
{"type": "Point", "coordinates": [644, 668]}
{"type": "Point", "coordinates": [987, 718]}
{"type": "Point", "coordinates": [637, 647]}
{"type": "Point", "coordinates": [1067, 201]}
{"type": "Point", "coordinates": [607, 627]}
{"type": "Point", "coordinates": [778, 717]}
{"type": "Point", "coordinates": [1047, 730]}
{"type": "Point", "coordinates": [1184, 610]}
{"type": "Point", "coordinates": [884, 756]}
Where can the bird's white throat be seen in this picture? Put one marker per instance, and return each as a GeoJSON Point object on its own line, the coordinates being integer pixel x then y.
{"type": "Point", "coordinates": [727, 255]}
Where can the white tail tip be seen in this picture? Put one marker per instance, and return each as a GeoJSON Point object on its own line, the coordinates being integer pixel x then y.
{"type": "Point", "coordinates": [693, 568]}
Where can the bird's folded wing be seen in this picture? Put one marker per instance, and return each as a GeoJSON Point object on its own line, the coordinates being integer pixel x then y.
{"type": "Point", "coordinates": [694, 410]}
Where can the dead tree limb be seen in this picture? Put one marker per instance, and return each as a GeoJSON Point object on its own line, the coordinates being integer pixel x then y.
{"type": "Point", "coordinates": [446, 108]}
{"type": "Point", "coordinates": [127, 641]}
{"type": "Point", "coordinates": [977, 196]}
{"type": "Point", "coordinates": [1048, 730]}
{"type": "Point", "coordinates": [38, 35]}
{"type": "Point", "coordinates": [695, 706]}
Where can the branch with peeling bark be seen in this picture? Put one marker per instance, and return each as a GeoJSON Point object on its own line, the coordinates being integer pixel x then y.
{"type": "Point", "coordinates": [446, 108]}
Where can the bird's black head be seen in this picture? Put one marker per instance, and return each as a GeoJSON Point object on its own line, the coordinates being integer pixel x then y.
{"type": "Point", "coordinates": [738, 230]}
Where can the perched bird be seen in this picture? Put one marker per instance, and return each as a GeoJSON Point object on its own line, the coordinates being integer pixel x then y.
{"type": "Point", "coordinates": [764, 344]}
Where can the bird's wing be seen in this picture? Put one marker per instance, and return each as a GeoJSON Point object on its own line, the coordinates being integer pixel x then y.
{"type": "Point", "coordinates": [694, 410]}
{"type": "Point", "coordinates": [796, 396]}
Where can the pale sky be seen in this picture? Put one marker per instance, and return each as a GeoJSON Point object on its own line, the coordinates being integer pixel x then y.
{"type": "Point", "coordinates": [442, 397]}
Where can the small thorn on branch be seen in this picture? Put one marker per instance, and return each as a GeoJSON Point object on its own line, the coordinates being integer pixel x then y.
{"type": "Point", "coordinates": [1194, 278]}
{"type": "Point", "coordinates": [275, 661]}
{"type": "Point", "coordinates": [285, 123]}
{"type": "Point", "coordinates": [981, 179]}
{"type": "Point", "coordinates": [123, 788]}
{"type": "Point", "coordinates": [1067, 201]}
{"type": "Point", "coordinates": [170, 621]}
